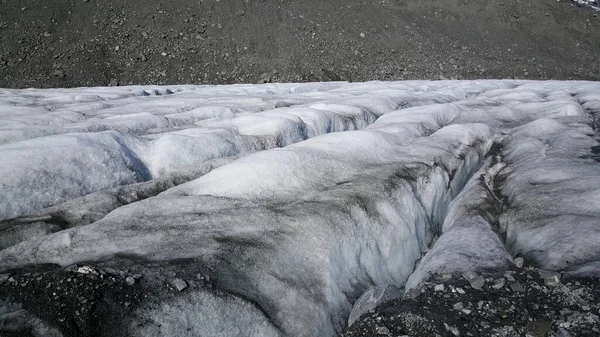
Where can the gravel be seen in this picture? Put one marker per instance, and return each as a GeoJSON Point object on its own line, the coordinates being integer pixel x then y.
{"type": "Point", "coordinates": [523, 306]}
{"type": "Point", "coordinates": [118, 42]}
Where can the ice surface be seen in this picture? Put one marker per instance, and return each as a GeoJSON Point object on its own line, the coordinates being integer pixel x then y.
{"type": "Point", "coordinates": [297, 198]}
{"type": "Point", "coordinates": [371, 298]}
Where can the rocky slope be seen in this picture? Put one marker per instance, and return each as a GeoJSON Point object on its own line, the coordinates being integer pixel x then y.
{"type": "Point", "coordinates": [519, 302]}
{"type": "Point", "coordinates": [53, 43]}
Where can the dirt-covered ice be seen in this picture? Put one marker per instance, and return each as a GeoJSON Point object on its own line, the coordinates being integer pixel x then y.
{"type": "Point", "coordinates": [269, 210]}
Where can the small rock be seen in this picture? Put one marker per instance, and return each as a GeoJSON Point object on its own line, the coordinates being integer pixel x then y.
{"type": "Point", "coordinates": [87, 270]}
{"type": "Point", "coordinates": [179, 284]}
{"type": "Point", "coordinates": [499, 283]}
{"type": "Point", "coordinates": [383, 331]}
{"type": "Point", "coordinates": [519, 261]}
{"type": "Point", "coordinates": [539, 328]}
{"type": "Point", "coordinates": [517, 287]}
{"type": "Point", "coordinates": [475, 280]}
{"type": "Point", "coordinates": [439, 287]}
{"type": "Point", "coordinates": [585, 308]}
{"type": "Point", "coordinates": [59, 73]}
{"type": "Point", "coordinates": [111, 271]}
{"type": "Point", "coordinates": [460, 291]}
{"type": "Point", "coordinates": [71, 268]}
{"type": "Point", "coordinates": [445, 277]}
{"type": "Point", "coordinates": [264, 78]}
{"type": "Point", "coordinates": [458, 306]}
{"type": "Point", "coordinates": [551, 278]}
{"type": "Point", "coordinates": [130, 281]}
{"type": "Point", "coordinates": [562, 332]}
{"type": "Point", "coordinates": [509, 276]}
{"type": "Point", "coordinates": [452, 329]}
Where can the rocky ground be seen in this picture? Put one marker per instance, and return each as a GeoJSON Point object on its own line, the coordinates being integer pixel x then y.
{"type": "Point", "coordinates": [85, 301]}
{"type": "Point", "coordinates": [521, 302]}
{"type": "Point", "coordinates": [54, 43]}
{"type": "Point", "coordinates": [79, 301]}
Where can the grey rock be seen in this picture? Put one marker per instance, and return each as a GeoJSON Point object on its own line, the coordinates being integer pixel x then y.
{"type": "Point", "coordinates": [59, 73]}
{"type": "Point", "coordinates": [517, 287]}
{"type": "Point", "coordinates": [179, 284]}
{"type": "Point", "coordinates": [72, 268]}
{"type": "Point", "coordinates": [562, 332]}
{"type": "Point", "coordinates": [383, 331]}
{"type": "Point", "coordinates": [519, 261]}
{"type": "Point", "coordinates": [439, 287]}
{"type": "Point", "coordinates": [111, 271]}
{"type": "Point", "coordinates": [458, 306]}
{"type": "Point", "coordinates": [475, 280]}
{"type": "Point", "coordinates": [509, 276]}
{"type": "Point", "coordinates": [499, 283]}
{"type": "Point", "coordinates": [454, 330]}
{"type": "Point", "coordinates": [87, 270]}
{"type": "Point", "coordinates": [130, 281]}
{"type": "Point", "coordinates": [539, 328]}
{"type": "Point", "coordinates": [551, 278]}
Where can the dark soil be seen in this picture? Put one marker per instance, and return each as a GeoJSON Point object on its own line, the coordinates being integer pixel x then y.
{"type": "Point", "coordinates": [78, 303]}
{"type": "Point", "coordinates": [525, 306]}
{"type": "Point", "coordinates": [56, 43]}
{"type": "Point", "coordinates": [91, 300]}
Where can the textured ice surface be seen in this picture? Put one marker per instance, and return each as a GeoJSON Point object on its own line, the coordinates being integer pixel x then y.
{"type": "Point", "coordinates": [296, 198]}
{"type": "Point", "coordinates": [371, 298]}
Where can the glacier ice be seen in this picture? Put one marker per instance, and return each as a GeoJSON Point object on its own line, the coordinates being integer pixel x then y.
{"type": "Point", "coordinates": [297, 198]}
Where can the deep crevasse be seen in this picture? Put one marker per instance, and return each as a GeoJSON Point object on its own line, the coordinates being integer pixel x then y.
{"type": "Point", "coordinates": [298, 233]}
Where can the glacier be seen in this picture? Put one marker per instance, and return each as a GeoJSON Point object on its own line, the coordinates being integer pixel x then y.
{"type": "Point", "coordinates": [295, 199]}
